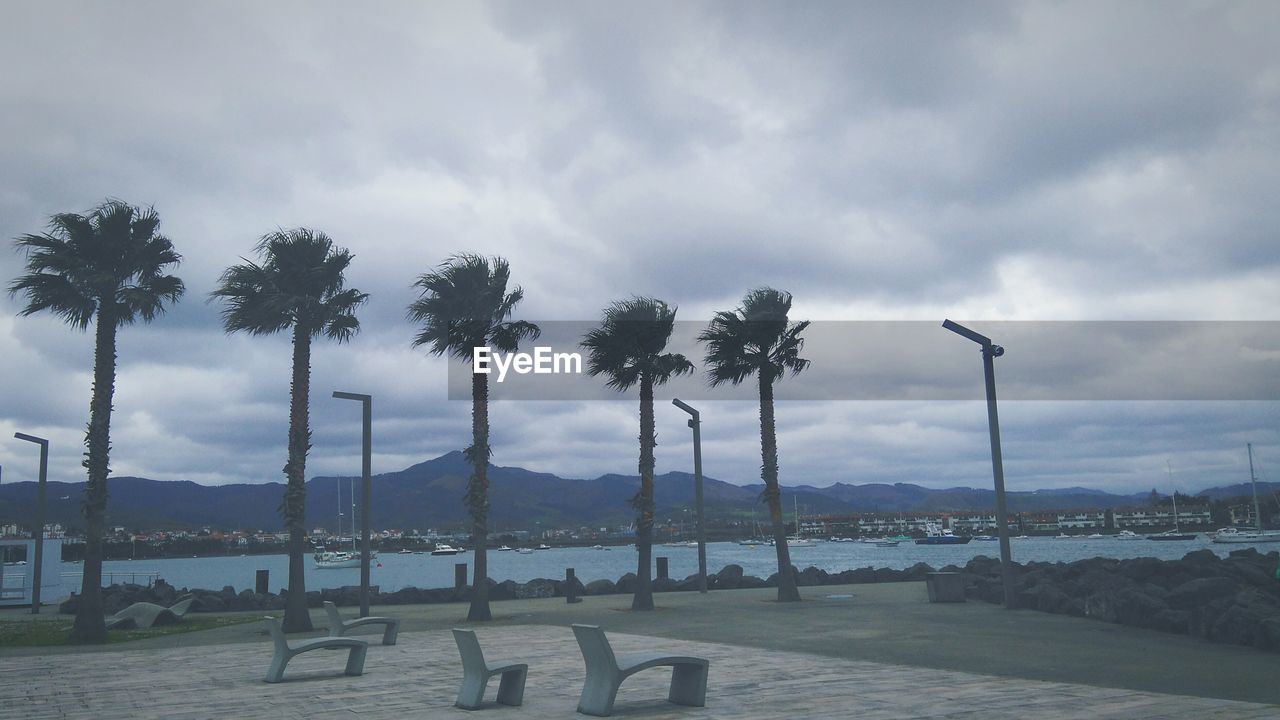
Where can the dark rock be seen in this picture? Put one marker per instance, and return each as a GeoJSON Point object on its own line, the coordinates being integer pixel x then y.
{"type": "Point", "coordinates": [1199, 592]}
{"type": "Point", "coordinates": [601, 587]}
{"type": "Point", "coordinates": [1201, 557]}
{"type": "Point", "coordinates": [626, 584]}
{"type": "Point", "coordinates": [664, 584]}
{"type": "Point", "coordinates": [811, 576]}
{"type": "Point", "coordinates": [505, 590]}
{"type": "Point", "coordinates": [537, 588]}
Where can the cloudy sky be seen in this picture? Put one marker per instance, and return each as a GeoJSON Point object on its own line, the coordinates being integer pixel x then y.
{"type": "Point", "coordinates": [896, 162]}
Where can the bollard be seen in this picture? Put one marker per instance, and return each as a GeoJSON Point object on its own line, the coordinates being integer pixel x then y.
{"type": "Point", "coordinates": [260, 582]}
{"type": "Point", "coordinates": [460, 576]}
{"type": "Point", "coordinates": [570, 587]}
{"type": "Point", "coordinates": [662, 568]}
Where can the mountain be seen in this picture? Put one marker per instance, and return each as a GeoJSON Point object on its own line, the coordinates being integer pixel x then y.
{"type": "Point", "coordinates": [429, 495]}
{"type": "Point", "coordinates": [1265, 490]}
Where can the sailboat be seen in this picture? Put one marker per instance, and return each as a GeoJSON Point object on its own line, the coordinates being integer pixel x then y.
{"type": "Point", "coordinates": [754, 540]}
{"type": "Point", "coordinates": [1175, 533]}
{"type": "Point", "coordinates": [1236, 535]}
{"type": "Point", "coordinates": [797, 540]}
{"type": "Point", "coordinates": [330, 559]}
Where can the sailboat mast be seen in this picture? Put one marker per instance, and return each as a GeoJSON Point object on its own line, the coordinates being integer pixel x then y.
{"type": "Point", "coordinates": [1253, 480]}
{"type": "Point", "coordinates": [1169, 467]}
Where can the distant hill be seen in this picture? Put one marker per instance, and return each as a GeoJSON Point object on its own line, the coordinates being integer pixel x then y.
{"type": "Point", "coordinates": [429, 495]}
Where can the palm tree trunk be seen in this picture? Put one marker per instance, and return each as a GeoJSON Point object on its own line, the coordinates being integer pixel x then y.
{"type": "Point", "coordinates": [478, 497]}
{"type": "Point", "coordinates": [643, 599]}
{"type": "Point", "coordinates": [787, 590]}
{"type": "Point", "coordinates": [89, 626]}
{"type": "Point", "coordinates": [296, 616]}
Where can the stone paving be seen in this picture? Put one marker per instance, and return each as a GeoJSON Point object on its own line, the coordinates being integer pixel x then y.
{"type": "Point", "coordinates": [419, 678]}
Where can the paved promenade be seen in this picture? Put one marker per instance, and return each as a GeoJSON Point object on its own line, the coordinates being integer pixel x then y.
{"type": "Point", "coordinates": [767, 661]}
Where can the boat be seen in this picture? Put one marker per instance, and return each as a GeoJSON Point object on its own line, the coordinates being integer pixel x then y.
{"type": "Point", "coordinates": [543, 546]}
{"type": "Point", "coordinates": [1250, 535]}
{"type": "Point", "coordinates": [524, 551]}
{"type": "Point", "coordinates": [329, 559]}
{"type": "Point", "coordinates": [405, 551]}
{"type": "Point", "coordinates": [751, 542]}
{"type": "Point", "coordinates": [505, 548]}
{"type": "Point", "coordinates": [801, 542]}
{"type": "Point", "coordinates": [1127, 535]}
{"type": "Point", "coordinates": [985, 538]}
{"type": "Point", "coordinates": [934, 534]}
{"type": "Point", "coordinates": [1172, 535]}
{"type": "Point", "coordinates": [445, 549]}
{"type": "Point", "coordinates": [600, 547]}
{"type": "Point", "coordinates": [1096, 536]}
{"type": "Point", "coordinates": [1176, 533]}
{"type": "Point", "coordinates": [334, 559]}
{"type": "Point", "coordinates": [886, 543]}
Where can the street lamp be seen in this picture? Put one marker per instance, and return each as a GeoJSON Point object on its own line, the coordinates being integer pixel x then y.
{"type": "Point", "coordinates": [695, 422]}
{"type": "Point", "coordinates": [990, 351]}
{"type": "Point", "coordinates": [365, 469]}
{"type": "Point", "coordinates": [37, 575]}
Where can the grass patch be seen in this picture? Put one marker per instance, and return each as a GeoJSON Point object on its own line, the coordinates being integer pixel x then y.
{"type": "Point", "coordinates": [44, 632]}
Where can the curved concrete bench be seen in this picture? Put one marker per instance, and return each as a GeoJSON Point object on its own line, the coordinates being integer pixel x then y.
{"type": "Point", "coordinates": [339, 627]}
{"type": "Point", "coordinates": [284, 652]}
{"type": "Point", "coordinates": [606, 671]}
{"type": "Point", "coordinates": [476, 672]}
{"type": "Point", "coordinates": [145, 614]}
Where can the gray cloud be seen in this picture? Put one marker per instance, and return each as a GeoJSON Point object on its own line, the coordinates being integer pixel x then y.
{"type": "Point", "coordinates": [982, 161]}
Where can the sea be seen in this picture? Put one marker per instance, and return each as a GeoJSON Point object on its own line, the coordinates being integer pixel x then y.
{"type": "Point", "coordinates": [394, 571]}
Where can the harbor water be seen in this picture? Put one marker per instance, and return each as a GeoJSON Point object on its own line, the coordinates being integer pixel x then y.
{"type": "Point", "coordinates": [394, 571]}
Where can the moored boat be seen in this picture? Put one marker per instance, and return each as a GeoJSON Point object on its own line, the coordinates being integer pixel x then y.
{"type": "Point", "coordinates": [936, 535]}
{"type": "Point", "coordinates": [328, 560]}
{"type": "Point", "coordinates": [1249, 535]}
{"type": "Point", "coordinates": [445, 549]}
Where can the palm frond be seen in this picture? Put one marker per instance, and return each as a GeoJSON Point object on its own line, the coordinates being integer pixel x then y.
{"type": "Point", "coordinates": [109, 262]}
{"type": "Point", "coordinates": [298, 281]}
{"type": "Point", "coordinates": [629, 342]}
{"type": "Point", "coordinates": [464, 304]}
{"type": "Point", "coordinates": [755, 339]}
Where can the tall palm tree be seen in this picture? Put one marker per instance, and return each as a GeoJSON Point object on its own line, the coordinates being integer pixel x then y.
{"type": "Point", "coordinates": [758, 339]}
{"type": "Point", "coordinates": [628, 349]}
{"type": "Point", "coordinates": [105, 268]}
{"type": "Point", "coordinates": [465, 305]}
{"type": "Point", "coordinates": [300, 285]}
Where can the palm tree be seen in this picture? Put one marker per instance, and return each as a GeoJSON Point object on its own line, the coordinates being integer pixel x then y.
{"type": "Point", "coordinates": [465, 305]}
{"type": "Point", "coordinates": [299, 284]}
{"type": "Point", "coordinates": [628, 348]}
{"type": "Point", "coordinates": [757, 339]}
{"type": "Point", "coordinates": [105, 268]}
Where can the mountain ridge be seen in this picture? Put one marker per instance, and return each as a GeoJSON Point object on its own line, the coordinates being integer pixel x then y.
{"type": "Point", "coordinates": [429, 495]}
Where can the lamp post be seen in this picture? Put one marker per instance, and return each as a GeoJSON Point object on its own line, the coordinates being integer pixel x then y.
{"type": "Point", "coordinates": [37, 574]}
{"type": "Point", "coordinates": [366, 463]}
{"type": "Point", "coordinates": [991, 351]}
{"type": "Point", "coordinates": [695, 422]}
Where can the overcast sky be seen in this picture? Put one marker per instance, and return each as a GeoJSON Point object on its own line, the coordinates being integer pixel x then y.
{"type": "Point", "coordinates": [881, 161]}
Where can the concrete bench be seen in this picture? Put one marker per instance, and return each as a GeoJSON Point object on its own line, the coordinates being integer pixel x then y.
{"type": "Point", "coordinates": [145, 614]}
{"type": "Point", "coordinates": [606, 671]}
{"type": "Point", "coordinates": [339, 627]}
{"type": "Point", "coordinates": [284, 652]}
{"type": "Point", "coordinates": [476, 672]}
{"type": "Point", "coordinates": [945, 587]}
